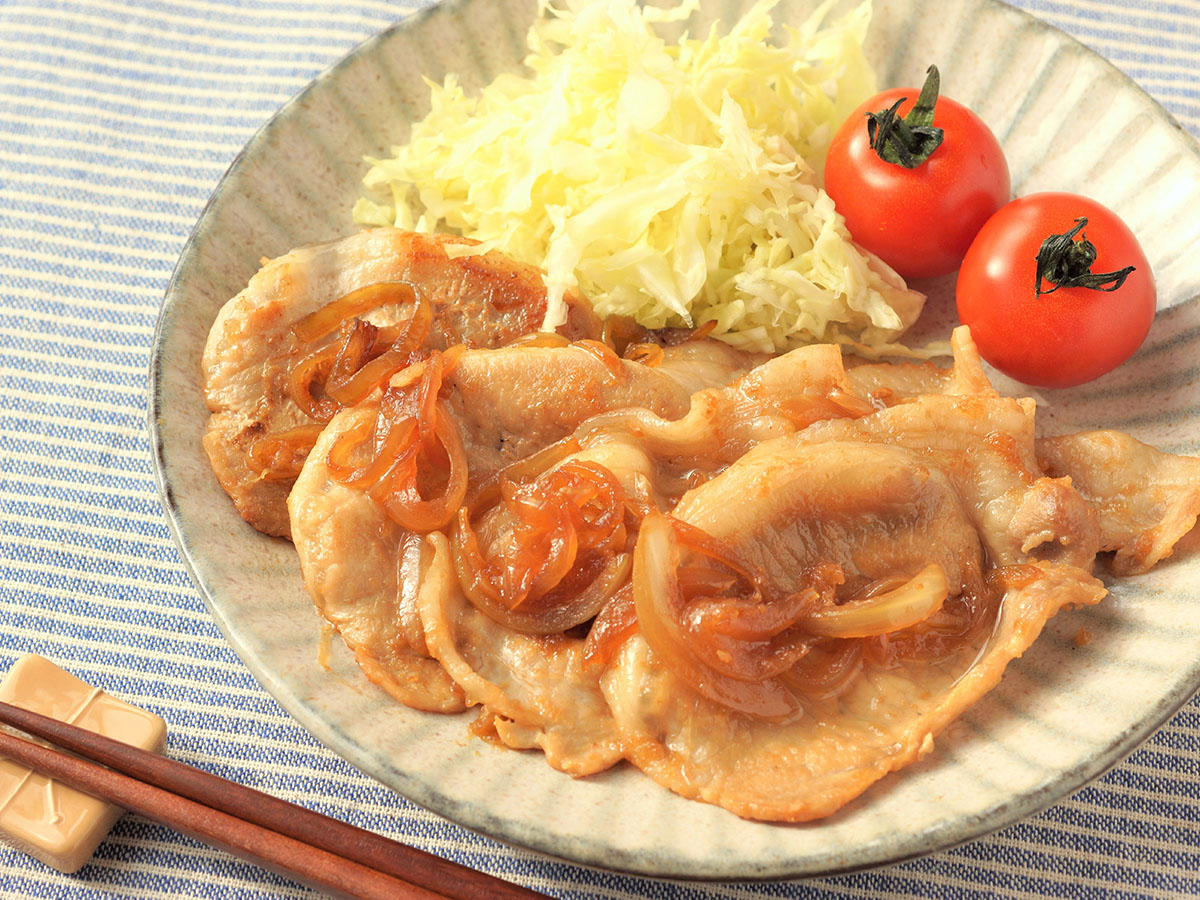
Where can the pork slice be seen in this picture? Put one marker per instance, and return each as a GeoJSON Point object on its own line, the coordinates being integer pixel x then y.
{"type": "Point", "coordinates": [536, 688]}
{"type": "Point", "coordinates": [877, 510]}
{"type": "Point", "coordinates": [482, 301]}
{"type": "Point", "coordinates": [363, 572]}
{"type": "Point", "coordinates": [1146, 499]}
{"type": "Point", "coordinates": [511, 402]}
{"type": "Point", "coordinates": [812, 766]}
{"type": "Point", "coordinates": [985, 446]}
{"type": "Point", "coordinates": [888, 383]}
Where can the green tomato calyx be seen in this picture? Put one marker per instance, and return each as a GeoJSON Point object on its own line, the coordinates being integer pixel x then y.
{"type": "Point", "coordinates": [1065, 262]}
{"type": "Point", "coordinates": [910, 140]}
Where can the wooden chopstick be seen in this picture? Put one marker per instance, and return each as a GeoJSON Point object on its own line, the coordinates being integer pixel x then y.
{"type": "Point", "coordinates": [291, 840]}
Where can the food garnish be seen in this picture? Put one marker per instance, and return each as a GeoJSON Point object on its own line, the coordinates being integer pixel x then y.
{"type": "Point", "coordinates": [674, 182]}
{"type": "Point", "coordinates": [916, 175]}
{"type": "Point", "coordinates": [1056, 289]}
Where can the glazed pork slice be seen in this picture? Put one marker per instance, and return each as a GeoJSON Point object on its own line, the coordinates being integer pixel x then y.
{"type": "Point", "coordinates": [510, 403]}
{"type": "Point", "coordinates": [836, 522]}
{"type": "Point", "coordinates": [535, 690]}
{"type": "Point", "coordinates": [1146, 499]}
{"type": "Point", "coordinates": [888, 383]}
{"type": "Point", "coordinates": [985, 445]}
{"type": "Point", "coordinates": [365, 571]}
{"type": "Point", "coordinates": [810, 766]}
{"type": "Point", "coordinates": [252, 351]}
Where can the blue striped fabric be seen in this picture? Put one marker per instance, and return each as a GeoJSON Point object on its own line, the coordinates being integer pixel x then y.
{"type": "Point", "coordinates": [117, 118]}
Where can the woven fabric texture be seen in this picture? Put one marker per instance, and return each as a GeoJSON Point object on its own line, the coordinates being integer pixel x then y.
{"type": "Point", "coordinates": [117, 119]}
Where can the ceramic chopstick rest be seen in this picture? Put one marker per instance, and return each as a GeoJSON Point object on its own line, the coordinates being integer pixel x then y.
{"type": "Point", "coordinates": [50, 821]}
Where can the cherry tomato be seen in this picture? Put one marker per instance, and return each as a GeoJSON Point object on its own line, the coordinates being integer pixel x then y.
{"type": "Point", "coordinates": [919, 220]}
{"type": "Point", "coordinates": [1065, 335]}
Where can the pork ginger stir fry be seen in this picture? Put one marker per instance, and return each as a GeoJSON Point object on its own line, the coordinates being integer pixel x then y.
{"type": "Point", "coordinates": [765, 582]}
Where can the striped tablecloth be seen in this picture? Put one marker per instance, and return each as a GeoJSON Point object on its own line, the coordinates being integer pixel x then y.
{"type": "Point", "coordinates": [117, 118]}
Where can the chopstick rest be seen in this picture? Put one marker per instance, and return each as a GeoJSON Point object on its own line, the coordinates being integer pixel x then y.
{"type": "Point", "coordinates": [53, 822]}
{"type": "Point", "coordinates": [336, 857]}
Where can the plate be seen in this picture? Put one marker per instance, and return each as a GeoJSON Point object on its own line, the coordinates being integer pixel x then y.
{"type": "Point", "coordinates": [1064, 712]}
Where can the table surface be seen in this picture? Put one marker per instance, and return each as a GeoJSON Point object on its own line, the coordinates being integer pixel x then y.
{"type": "Point", "coordinates": [117, 118]}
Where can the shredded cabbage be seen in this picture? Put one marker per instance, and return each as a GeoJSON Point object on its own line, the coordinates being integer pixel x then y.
{"type": "Point", "coordinates": [673, 181]}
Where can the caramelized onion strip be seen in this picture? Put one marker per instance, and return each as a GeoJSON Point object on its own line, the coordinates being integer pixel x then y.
{"type": "Point", "coordinates": [614, 624]}
{"type": "Point", "coordinates": [311, 368]}
{"type": "Point", "coordinates": [826, 671]}
{"type": "Point", "coordinates": [398, 489]}
{"type": "Point", "coordinates": [606, 355]}
{"type": "Point", "coordinates": [526, 616]}
{"type": "Point", "coordinates": [348, 385]}
{"type": "Point", "coordinates": [540, 339]}
{"type": "Point", "coordinates": [326, 320]}
{"type": "Point", "coordinates": [417, 468]}
{"type": "Point", "coordinates": [913, 602]}
{"type": "Point", "coordinates": [279, 457]}
{"type": "Point", "coordinates": [527, 469]}
{"type": "Point", "coordinates": [657, 560]}
{"type": "Point", "coordinates": [619, 332]}
{"type": "Point", "coordinates": [359, 338]}
{"type": "Point", "coordinates": [394, 439]}
{"type": "Point", "coordinates": [561, 553]}
{"type": "Point", "coordinates": [649, 355]}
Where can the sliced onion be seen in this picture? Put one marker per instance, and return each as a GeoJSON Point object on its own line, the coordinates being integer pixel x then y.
{"type": "Point", "coordinates": [826, 671]}
{"type": "Point", "coordinates": [398, 488]}
{"type": "Point", "coordinates": [350, 384]}
{"type": "Point", "coordinates": [649, 355]}
{"type": "Point", "coordinates": [527, 469]}
{"type": "Point", "coordinates": [729, 623]}
{"type": "Point", "coordinates": [563, 556]}
{"type": "Point", "coordinates": [279, 457]}
{"type": "Point", "coordinates": [902, 607]}
{"type": "Point", "coordinates": [752, 619]}
{"type": "Point", "coordinates": [313, 367]}
{"type": "Point", "coordinates": [427, 399]}
{"type": "Point", "coordinates": [605, 354]}
{"type": "Point", "coordinates": [396, 438]}
{"type": "Point", "coordinates": [415, 443]}
{"type": "Point", "coordinates": [359, 338]}
{"type": "Point", "coordinates": [532, 618]}
{"type": "Point", "coordinates": [614, 624]}
{"type": "Point", "coordinates": [620, 332]}
{"type": "Point", "coordinates": [540, 339]}
{"type": "Point", "coordinates": [964, 619]}
{"type": "Point", "coordinates": [329, 317]}
{"type": "Point", "coordinates": [656, 562]}
{"type": "Point", "coordinates": [853, 405]}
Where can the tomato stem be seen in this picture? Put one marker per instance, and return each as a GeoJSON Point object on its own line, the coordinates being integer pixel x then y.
{"type": "Point", "coordinates": [1066, 262]}
{"type": "Point", "coordinates": [910, 140]}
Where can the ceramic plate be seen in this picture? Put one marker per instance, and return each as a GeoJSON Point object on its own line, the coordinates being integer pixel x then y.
{"type": "Point", "coordinates": [1063, 714]}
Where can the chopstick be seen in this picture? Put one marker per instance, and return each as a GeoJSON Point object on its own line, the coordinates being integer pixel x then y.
{"type": "Point", "coordinates": [292, 841]}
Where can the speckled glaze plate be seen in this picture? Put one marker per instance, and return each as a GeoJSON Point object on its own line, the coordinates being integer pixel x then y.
{"type": "Point", "coordinates": [1063, 714]}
